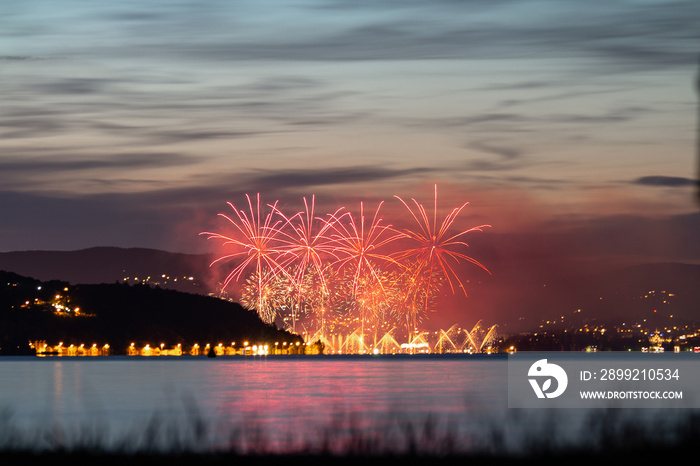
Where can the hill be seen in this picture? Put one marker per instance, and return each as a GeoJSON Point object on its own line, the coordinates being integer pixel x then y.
{"type": "Point", "coordinates": [119, 314]}
{"type": "Point", "coordinates": [184, 272]}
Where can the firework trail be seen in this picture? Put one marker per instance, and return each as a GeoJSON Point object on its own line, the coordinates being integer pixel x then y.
{"type": "Point", "coordinates": [435, 242]}
{"type": "Point", "coordinates": [308, 243]}
{"type": "Point", "coordinates": [256, 246]}
{"type": "Point", "coordinates": [435, 249]}
{"type": "Point", "coordinates": [305, 242]}
{"type": "Point", "coordinates": [358, 245]}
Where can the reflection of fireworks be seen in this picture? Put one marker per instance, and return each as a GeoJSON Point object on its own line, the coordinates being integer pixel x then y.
{"type": "Point", "coordinates": [310, 269]}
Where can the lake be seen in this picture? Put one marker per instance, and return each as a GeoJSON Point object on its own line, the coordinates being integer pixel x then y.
{"type": "Point", "coordinates": [268, 403]}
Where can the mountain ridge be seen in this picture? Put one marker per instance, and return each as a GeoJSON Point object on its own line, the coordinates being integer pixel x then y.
{"type": "Point", "coordinates": [611, 292]}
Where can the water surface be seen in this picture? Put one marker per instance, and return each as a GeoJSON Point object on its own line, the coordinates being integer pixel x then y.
{"type": "Point", "coordinates": [283, 401]}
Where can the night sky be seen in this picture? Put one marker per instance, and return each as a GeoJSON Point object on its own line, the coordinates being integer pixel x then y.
{"type": "Point", "coordinates": [568, 126]}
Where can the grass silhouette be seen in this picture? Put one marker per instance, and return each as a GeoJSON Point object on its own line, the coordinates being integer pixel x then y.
{"type": "Point", "coordinates": [524, 437]}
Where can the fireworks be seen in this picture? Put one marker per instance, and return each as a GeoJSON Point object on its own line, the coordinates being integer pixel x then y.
{"type": "Point", "coordinates": [436, 243]}
{"type": "Point", "coordinates": [341, 271]}
{"type": "Point", "coordinates": [306, 241]}
{"type": "Point", "coordinates": [255, 242]}
{"type": "Point", "coordinates": [306, 244]}
{"type": "Point", "coordinates": [434, 253]}
{"type": "Point", "coordinates": [359, 244]}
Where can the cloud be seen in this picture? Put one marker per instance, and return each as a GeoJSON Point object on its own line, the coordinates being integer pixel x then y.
{"type": "Point", "coordinates": [481, 165]}
{"type": "Point", "coordinates": [522, 85]}
{"type": "Point", "coordinates": [642, 36]}
{"type": "Point", "coordinates": [506, 153]}
{"type": "Point", "coordinates": [75, 86]}
{"type": "Point", "coordinates": [619, 115]}
{"type": "Point", "coordinates": [30, 127]}
{"type": "Point", "coordinates": [505, 181]}
{"type": "Point", "coordinates": [222, 78]}
{"type": "Point", "coordinates": [167, 216]}
{"type": "Point", "coordinates": [616, 34]}
{"type": "Point", "coordinates": [174, 137]}
{"type": "Point", "coordinates": [128, 160]}
{"type": "Point", "coordinates": [574, 93]}
{"type": "Point", "coordinates": [665, 181]}
{"type": "Point", "coordinates": [210, 191]}
{"type": "Point", "coordinates": [18, 57]}
{"type": "Point", "coordinates": [330, 176]}
{"type": "Point", "coordinates": [466, 121]}
{"type": "Point", "coordinates": [614, 116]}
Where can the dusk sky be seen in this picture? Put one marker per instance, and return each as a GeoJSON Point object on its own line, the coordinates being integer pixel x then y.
{"type": "Point", "coordinates": [133, 123]}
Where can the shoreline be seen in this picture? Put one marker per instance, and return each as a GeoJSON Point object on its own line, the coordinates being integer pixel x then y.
{"type": "Point", "coordinates": [346, 357]}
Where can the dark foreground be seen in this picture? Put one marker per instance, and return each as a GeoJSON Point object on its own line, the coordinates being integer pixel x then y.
{"type": "Point", "coordinates": [108, 459]}
{"type": "Point", "coordinates": [613, 436]}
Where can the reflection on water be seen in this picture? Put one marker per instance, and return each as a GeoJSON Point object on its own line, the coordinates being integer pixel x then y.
{"type": "Point", "coordinates": [284, 397]}
{"type": "Point", "coordinates": [281, 402]}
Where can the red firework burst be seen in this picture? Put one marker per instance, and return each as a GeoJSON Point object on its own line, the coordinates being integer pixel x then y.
{"type": "Point", "coordinates": [436, 242]}
{"type": "Point", "coordinates": [256, 244]}
{"type": "Point", "coordinates": [358, 246]}
{"type": "Point", "coordinates": [308, 244]}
